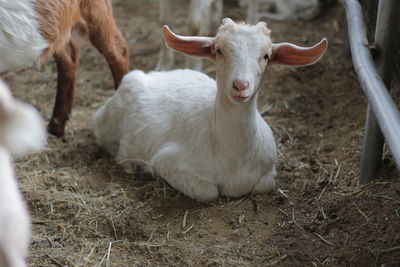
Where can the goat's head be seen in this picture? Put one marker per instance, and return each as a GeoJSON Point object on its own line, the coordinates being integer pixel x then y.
{"type": "Point", "coordinates": [241, 53]}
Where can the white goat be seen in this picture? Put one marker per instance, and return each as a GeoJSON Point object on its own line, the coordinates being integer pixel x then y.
{"type": "Point", "coordinates": [203, 19]}
{"type": "Point", "coordinates": [205, 138]}
{"type": "Point", "coordinates": [21, 130]}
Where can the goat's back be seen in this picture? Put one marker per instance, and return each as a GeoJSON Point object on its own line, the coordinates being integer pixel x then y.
{"type": "Point", "coordinates": [155, 106]}
{"type": "Point", "coordinates": [20, 39]}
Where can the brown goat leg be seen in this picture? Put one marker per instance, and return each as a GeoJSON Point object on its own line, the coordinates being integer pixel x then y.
{"type": "Point", "coordinates": [116, 53]}
{"type": "Point", "coordinates": [105, 36]}
{"type": "Point", "coordinates": [67, 62]}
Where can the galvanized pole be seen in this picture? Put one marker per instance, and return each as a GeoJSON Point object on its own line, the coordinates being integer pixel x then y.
{"type": "Point", "coordinates": [371, 157]}
{"type": "Point", "coordinates": [385, 36]}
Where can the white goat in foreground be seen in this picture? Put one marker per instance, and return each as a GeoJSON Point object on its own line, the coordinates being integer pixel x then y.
{"type": "Point", "coordinates": [205, 138]}
{"type": "Point", "coordinates": [21, 130]}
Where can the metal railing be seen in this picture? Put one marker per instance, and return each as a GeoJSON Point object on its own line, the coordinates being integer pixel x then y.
{"type": "Point", "coordinates": [383, 117]}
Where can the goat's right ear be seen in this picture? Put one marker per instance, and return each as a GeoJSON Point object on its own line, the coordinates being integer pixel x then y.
{"type": "Point", "coordinates": [189, 45]}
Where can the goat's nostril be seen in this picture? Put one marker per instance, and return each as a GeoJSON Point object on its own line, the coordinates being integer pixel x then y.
{"type": "Point", "coordinates": [240, 85]}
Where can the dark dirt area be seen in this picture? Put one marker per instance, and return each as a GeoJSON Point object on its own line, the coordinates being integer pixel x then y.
{"type": "Point", "coordinates": [87, 212]}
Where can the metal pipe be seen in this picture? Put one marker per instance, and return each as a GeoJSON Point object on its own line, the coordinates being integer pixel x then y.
{"type": "Point", "coordinates": [385, 32]}
{"type": "Point", "coordinates": [371, 157]}
{"type": "Point", "coordinates": [384, 108]}
{"type": "Point", "coordinates": [385, 38]}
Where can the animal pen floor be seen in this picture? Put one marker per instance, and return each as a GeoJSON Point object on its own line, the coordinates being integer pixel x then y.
{"type": "Point", "coordinates": [87, 212]}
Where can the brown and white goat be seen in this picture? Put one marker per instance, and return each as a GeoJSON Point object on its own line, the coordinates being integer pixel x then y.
{"type": "Point", "coordinates": [32, 31]}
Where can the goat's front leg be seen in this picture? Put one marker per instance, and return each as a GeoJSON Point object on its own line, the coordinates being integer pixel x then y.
{"type": "Point", "coordinates": [166, 56]}
{"type": "Point", "coordinates": [252, 11]}
{"type": "Point", "coordinates": [192, 185]}
{"type": "Point", "coordinates": [67, 61]}
{"type": "Point", "coordinates": [266, 183]}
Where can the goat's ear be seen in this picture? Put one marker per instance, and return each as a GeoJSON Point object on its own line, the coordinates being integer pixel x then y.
{"type": "Point", "coordinates": [292, 55]}
{"type": "Point", "coordinates": [192, 46]}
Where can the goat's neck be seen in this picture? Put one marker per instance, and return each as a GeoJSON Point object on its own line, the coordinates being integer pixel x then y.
{"type": "Point", "coordinates": [235, 124]}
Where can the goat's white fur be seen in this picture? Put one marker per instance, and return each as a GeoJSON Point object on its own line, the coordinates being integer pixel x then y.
{"type": "Point", "coordinates": [14, 218]}
{"type": "Point", "coordinates": [21, 126]}
{"type": "Point", "coordinates": [20, 39]}
{"type": "Point", "coordinates": [21, 131]}
{"type": "Point", "coordinates": [190, 130]}
{"type": "Point", "coordinates": [203, 19]}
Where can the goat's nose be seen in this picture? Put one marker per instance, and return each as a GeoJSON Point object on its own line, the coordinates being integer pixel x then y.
{"type": "Point", "coordinates": [240, 85]}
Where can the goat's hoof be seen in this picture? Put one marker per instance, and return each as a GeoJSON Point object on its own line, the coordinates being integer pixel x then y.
{"type": "Point", "coordinates": [56, 130]}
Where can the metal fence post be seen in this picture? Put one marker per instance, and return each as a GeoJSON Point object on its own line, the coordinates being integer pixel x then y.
{"type": "Point", "coordinates": [385, 33]}
{"type": "Point", "coordinates": [371, 157]}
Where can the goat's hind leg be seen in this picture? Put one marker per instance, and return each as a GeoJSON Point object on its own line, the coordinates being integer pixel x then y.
{"type": "Point", "coordinates": [106, 37]}
{"type": "Point", "coordinates": [67, 61]}
{"type": "Point", "coordinates": [274, 16]}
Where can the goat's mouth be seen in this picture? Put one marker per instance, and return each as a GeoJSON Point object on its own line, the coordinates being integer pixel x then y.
{"type": "Point", "coordinates": [240, 98]}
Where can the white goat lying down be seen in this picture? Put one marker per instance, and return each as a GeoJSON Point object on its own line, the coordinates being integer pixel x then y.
{"type": "Point", "coordinates": [21, 130]}
{"type": "Point", "coordinates": [204, 137]}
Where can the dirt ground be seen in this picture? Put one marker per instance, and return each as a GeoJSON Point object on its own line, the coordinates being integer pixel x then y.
{"type": "Point", "coordinates": [87, 212]}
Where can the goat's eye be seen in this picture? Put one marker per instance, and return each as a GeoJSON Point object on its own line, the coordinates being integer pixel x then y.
{"type": "Point", "coordinates": [218, 51]}
{"type": "Point", "coordinates": [266, 57]}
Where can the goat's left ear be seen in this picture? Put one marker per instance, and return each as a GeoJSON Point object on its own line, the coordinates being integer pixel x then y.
{"type": "Point", "coordinates": [189, 45]}
{"type": "Point", "coordinates": [292, 55]}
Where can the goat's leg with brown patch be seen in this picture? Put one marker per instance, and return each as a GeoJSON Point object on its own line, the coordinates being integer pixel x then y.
{"type": "Point", "coordinates": [116, 53]}
{"type": "Point", "coordinates": [67, 61]}
{"type": "Point", "coordinates": [110, 43]}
